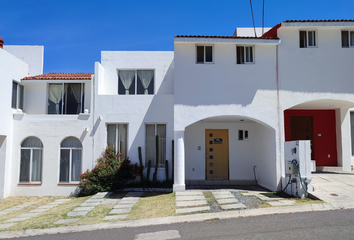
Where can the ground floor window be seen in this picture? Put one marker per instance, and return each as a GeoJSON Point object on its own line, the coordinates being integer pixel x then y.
{"type": "Point", "coordinates": [70, 160]}
{"type": "Point", "coordinates": [31, 160]}
{"type": "Point", "coordinates": [117, 138]}
{"type": "Point", "coordinates": [153, 130]}
{"type": "Point", "coordinates": [243, 135]}
{"type": "Point", "coordinates": [352, 130]}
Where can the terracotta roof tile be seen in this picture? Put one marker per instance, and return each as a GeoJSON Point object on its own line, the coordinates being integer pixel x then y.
{"type": "Point", "coordinates": [335, 20]}
{"type": "Point", "coordinates": [66, 76]}
{"type": "Point", "coordinates": [228, 37]}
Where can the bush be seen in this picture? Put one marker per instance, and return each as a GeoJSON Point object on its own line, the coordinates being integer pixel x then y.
{"type": "Point", "coordinates": [109, 174]}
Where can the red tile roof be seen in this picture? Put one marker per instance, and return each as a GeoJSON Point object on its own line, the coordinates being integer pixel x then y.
{"type": "Point", "coordinates": [273, 32]}
{"type": "Point", "coordinates": [228, 37]}
{"type": "Point", "coordinates": [334, 20]}
{"type": "Point", "coordinates": [51, 76]}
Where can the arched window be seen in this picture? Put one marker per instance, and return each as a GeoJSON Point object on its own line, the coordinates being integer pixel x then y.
{"type": "Point", "coordinates": [31, 160]}
{"type": "Point", "coordinates": [70, 160]}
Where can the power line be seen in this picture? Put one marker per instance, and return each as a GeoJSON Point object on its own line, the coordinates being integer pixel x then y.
{"type": "Point", "coordinates": [254, 26]}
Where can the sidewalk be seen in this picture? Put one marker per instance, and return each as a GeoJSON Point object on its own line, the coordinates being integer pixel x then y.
{"type": "Point", "coordinates": [171, 220]}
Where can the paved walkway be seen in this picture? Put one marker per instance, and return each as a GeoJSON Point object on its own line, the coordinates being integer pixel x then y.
{"type": "Point", "coordinates": [335, 188]}
{"type": "Point", "coordinates": [191, 201]}
{"type": "Point", "coordinates": [124, 206]}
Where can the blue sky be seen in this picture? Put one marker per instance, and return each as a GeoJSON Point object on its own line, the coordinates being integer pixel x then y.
{"type": "Point", "coordinates": [74, 32]}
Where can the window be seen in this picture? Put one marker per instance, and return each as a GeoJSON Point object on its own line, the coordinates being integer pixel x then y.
{"type": "Point", "coordinates": [150, 149]}
{"type": "Point", "coordinates": [31, 160]}
{"type": "Point", "coordinates": [17, 96]}
{"type": "Point", "coordinates": [244, 54]}
{"type": "Point", "coordinates": [66, 98]}
{"type": "Point", "coordinates": [307, 39]}
{"type": "Point", "coordinates": [243, 135]}
{"type": "Point", "coordinates": [347, 39]}
{"type": "Point", "coordinates": [70, 160]}
{"type": "Point", "coordinates": [352, 130]}
{"type": "Point", "coordinates": [117, 137]}
{"type": "Point", "coordinates": [204, 54]}
{"type": "Point", "coordinates": [133, 82]}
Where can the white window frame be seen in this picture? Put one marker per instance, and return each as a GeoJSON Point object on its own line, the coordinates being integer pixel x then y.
{"type": "Point", "coordinates": [136, 79]}
{"type": "Point", "coordinates": [65, 100]}
{"type": "Point", "coordinates": [243, 138]}
{"type": "Point", "coordinates": [244, 56]}
{"type": "Point", "coordinates": [204, 59]}
{"type": "Point", "coordinates": [315, 38]}
{"type": "Point", "coordinates": [30, 167]}
{"type": "Point", "coordinates": [116, 140]}
{"type": "Point", "coordinates": [349, 38]}
{"type": "Point", "coordinates": [19, 95]}
{"type": "Point", "coordinates": [155, 124]}
{"type": "Point", "coordinates": [70, 161]}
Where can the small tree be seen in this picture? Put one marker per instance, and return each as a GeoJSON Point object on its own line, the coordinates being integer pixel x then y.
{"type": "Point", "coordinates": [109, 173]}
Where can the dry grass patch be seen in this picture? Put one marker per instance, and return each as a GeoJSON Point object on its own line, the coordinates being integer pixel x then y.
{"type": "Point", "coordinates": [153, 205]}
{"type": "Point", "coordinates": [46, 219]}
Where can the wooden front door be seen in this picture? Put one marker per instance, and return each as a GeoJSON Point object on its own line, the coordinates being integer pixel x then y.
{"type": "Point", "coordinates": [217, 153]}
{"type": "Point", "coordinates": [301, 129]}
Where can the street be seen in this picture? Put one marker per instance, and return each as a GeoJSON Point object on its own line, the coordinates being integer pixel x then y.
{"type": "Point", "coordinates": [338, 224]}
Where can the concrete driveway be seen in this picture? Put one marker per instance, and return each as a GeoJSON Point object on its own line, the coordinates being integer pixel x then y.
{"type": "Point", "coordinates": [335, 188]}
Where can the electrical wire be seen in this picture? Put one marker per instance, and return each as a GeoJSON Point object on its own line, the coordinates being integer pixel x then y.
{"type": "Point", "coordinates": [263, 19]}
{"type": "Point", "coordinates": [254, 26]}
{"type": "Point", "coordinates": [286, 185]}
{"type": "Point", "coordinates": [300, 179]}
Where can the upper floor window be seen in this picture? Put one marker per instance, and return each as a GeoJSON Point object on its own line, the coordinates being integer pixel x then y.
{"type": "Point", "coordinates": [65, 98]}
{"type": "Point", "coordinates": [133, 82]}
{"type": "Point", "coordinates": [117, 138]}
{"type": "Point", "coordinates": [204, 54]}
{"type": "Point", "coordinates": [347, 39]}
{"type": "Point", "coordinates": [17, 96]}
{"type": "Point", "coordinates": [307, 39]}
{"type": "Point", "coordinates": [31, 160]}
{"type": "Point", "coordinates": [70, 160]}
{"type": "Point", "coordinates": [244, 54]}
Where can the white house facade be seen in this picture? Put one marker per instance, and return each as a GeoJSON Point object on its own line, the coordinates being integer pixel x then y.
{"type": "Point", "coordinates": [228, 102]}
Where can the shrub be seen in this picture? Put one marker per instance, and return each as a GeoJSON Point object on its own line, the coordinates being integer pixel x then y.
{"type": "Point", "coordinates": [109, 174]}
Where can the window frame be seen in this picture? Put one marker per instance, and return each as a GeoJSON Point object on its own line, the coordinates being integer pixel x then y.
{"type": "Point", "coordinates": [245, 55]}
{"type": "Point", "coordinates": [31, 162]}
{"type": "Point", "coordinates": [117, 136]}
{"type": "Point", "coordinates": [307, 37]}
{"type": "Point", "coordinates": [349, 38]}
{"type": "Point", "coordinates": [70, 161]}
{"type": "Point", "coordinates": [18, 100]}
{"type": "Point", "coordinates": [243, 137]}
{"type": "Point", "coordinates": [82, 92]}
{"type": "Point", "coordinates": [136, 80]}
{"type": "Point", "coordinates": [146, 160]}
{"type": "Point", "coordinates": [204, 53]}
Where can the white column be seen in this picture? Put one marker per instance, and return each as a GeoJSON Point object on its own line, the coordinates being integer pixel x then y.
{"type": "Point", "coordinates": [179, 173]}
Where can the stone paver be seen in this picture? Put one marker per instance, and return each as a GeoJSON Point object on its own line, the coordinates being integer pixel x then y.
{"type": "Point", "coordinates": [191, 203]}
{"type": "Point", "coordinates": [190, 210]}
{"type": "Point", "coordinates": [15, 208]}
{"type": "Point", "coordinates": [228, 200]}
{"type": "Point", "coordinates": [189, 193]}
{"type": "Point", "coordinates": [159, 235]}
{"type": "Point", "coordinates": [82, 209]}
{"type": "Point", "coordinates": [123, 206]}
{"type": "Point", "coordinates": [76, 214]}
{"type": "Point", "coordinates": [85, 204]}
{"type": "Point", "coordinates": [223, 196]}
{"type": "Point", "coordinates": [25, 215]}
{"type": "Point", "coordinates": [189, 198]}
{"type": "Point", "coordinates": [120, 211]}
{"type": "Point", "coordinates": [233, 206]}
{"type": "Point", "coordinates": [114, 217]}
{"type": "Point", "coordinates": [38, 210]}
{"type": "Point", "coordinates": [71, 220]}
{"type": "Point", "coordinates": [96, 200]}
{"type": "Point", "coordinates": [2, 226]}
{"type": "Point", "coordinates": [16, 219]}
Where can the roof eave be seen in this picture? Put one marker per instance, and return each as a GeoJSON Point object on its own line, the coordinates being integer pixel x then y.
{"type": "Point", "coordinates": [226, 40]}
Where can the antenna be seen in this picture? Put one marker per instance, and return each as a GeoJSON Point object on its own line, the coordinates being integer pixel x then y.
{"type": "Point", "coordinates": [254, 26]}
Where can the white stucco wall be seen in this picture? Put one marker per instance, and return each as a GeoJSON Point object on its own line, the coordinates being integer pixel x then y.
{"type": "Point", "coordinates": [323, 73]}
{"type": "Point", "coordinates": [134, 110]}
{"type": "Point", "coordinates": [51, 130]}
{"type": "Point", "coordinates": [32, 55]}
{"type": "Point", "coordinates": [11, 69]}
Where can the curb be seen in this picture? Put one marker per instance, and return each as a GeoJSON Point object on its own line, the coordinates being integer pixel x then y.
{"type": "Point", "coordinates": [170, 220]}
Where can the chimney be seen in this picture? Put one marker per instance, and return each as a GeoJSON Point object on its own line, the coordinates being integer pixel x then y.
{"type": "Point", "coordinates": [1, 43]}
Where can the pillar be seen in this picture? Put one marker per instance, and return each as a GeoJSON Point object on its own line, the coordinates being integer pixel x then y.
{"type": "Point", "coordinates": [179, 169]}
